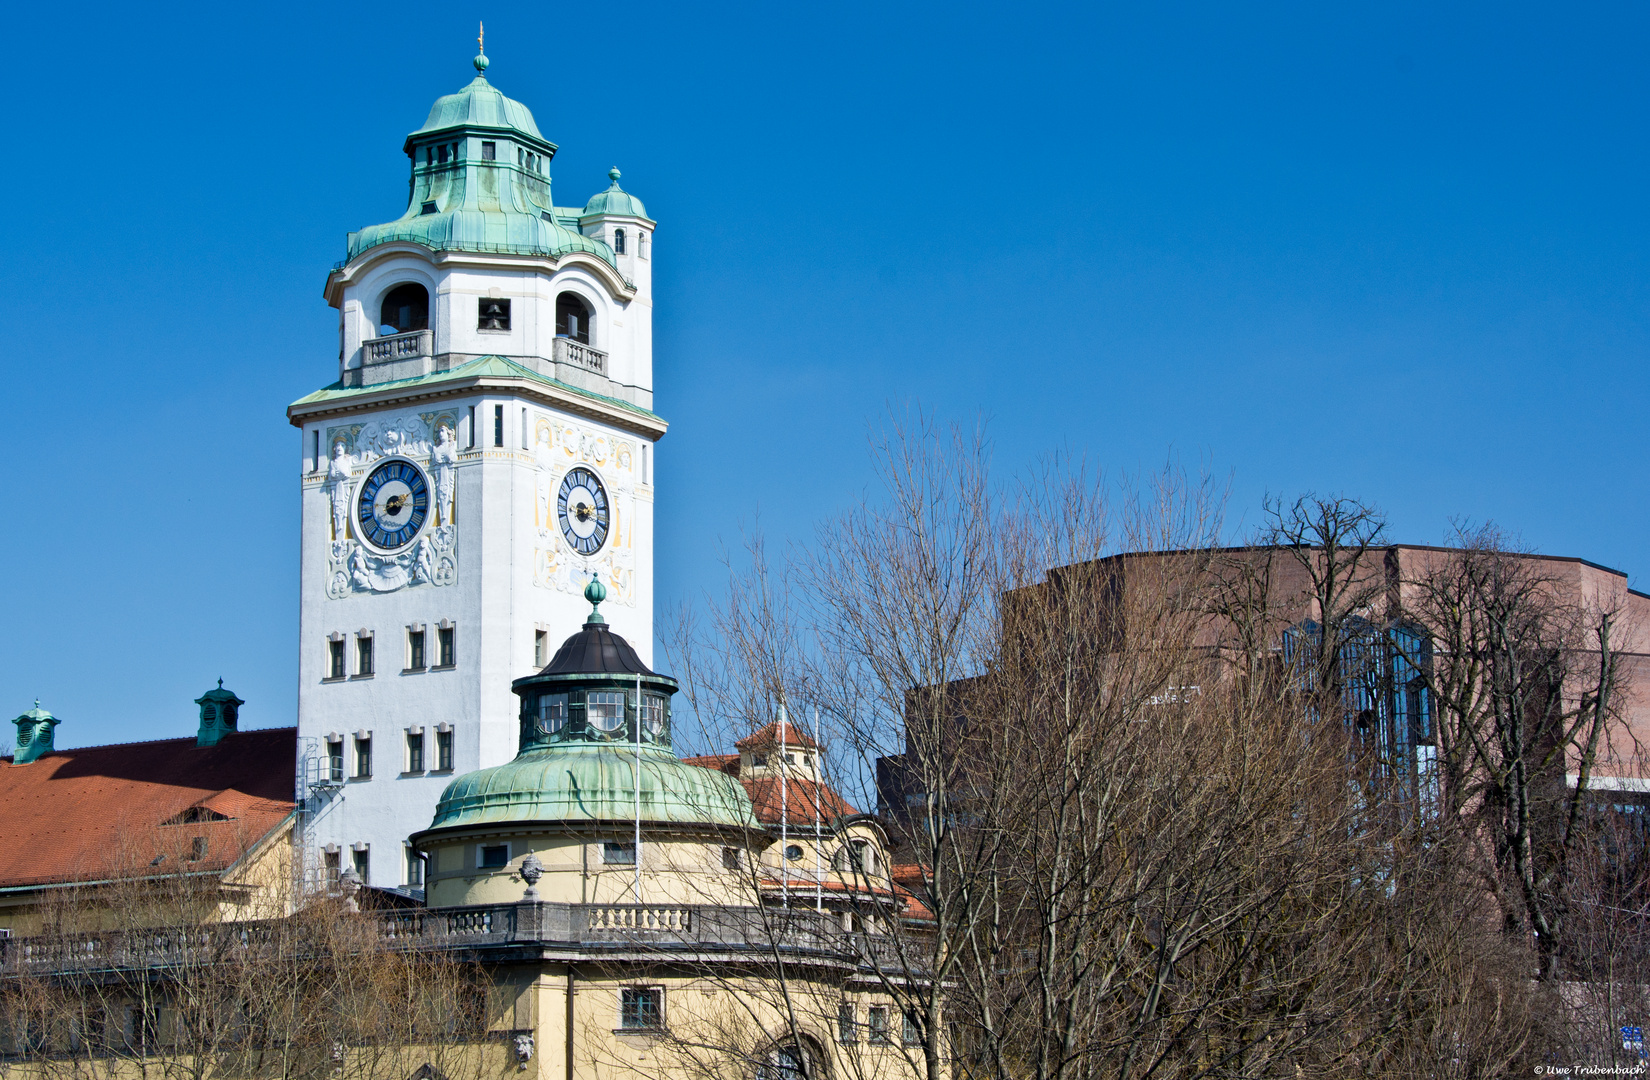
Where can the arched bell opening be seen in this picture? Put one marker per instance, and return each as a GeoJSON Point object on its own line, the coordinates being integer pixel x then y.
{"type": "Point", "coordinates": [405, 308]}
{"type": "Point", "coordinates": [573, 318]}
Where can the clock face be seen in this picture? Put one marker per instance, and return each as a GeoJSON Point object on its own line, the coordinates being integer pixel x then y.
{"type": "Point", "coordinates": [581, 504]}
{"type": "Point", "coordinates": [392, 505]}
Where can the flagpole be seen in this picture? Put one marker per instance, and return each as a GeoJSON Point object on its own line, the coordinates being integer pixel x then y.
{"type": "Point", "coordinates": [638, 786]}
{"type": "Point", "coordinates": [784, 818]}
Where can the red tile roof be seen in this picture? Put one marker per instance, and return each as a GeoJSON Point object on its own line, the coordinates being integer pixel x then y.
{"type": "Point", "coordinates": [800, 799]}
{"type": "Point", "coordinates": [770, 736]}
{"type": "Point", "coordinates": [81, 815]}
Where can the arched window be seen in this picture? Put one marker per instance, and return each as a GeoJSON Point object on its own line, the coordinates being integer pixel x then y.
{"type": "Point", "coordinates": [572, 318]}
{"type": "Point", "coordinates": [406, 307]}
{"type": "Point", "coordinates": [618, 241]}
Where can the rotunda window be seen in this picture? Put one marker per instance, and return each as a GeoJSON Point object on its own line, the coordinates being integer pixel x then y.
{"type": "Point", "coordinates": [653, 715]}
{"type": "Point", "coordinates": [405, 308]}
{"type": "Point", "coordinates": [573, 318]}
{"type": "Point", "coordinates": [552, 713]}
{"type": "Point", "coordinates": [604, 710]}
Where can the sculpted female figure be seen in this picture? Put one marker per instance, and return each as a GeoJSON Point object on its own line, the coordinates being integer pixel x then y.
{"type": "Point", "coordinates": [444, 464]}
{"type": "Point", "coordinates": [337, 486]}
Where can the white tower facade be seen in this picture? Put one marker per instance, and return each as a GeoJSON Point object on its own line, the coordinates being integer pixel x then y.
{"type": "Point", "coordinates": [488, 446]}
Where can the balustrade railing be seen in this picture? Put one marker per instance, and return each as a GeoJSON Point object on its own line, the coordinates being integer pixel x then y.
{"type": "Point", "coordinates": [383, 350]}
{"type": "Point", "coordinates": [568, 351]}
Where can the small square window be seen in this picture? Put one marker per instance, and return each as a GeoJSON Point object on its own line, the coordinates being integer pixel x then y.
{"type": "Point", "coordinates": [493, 856]}
{"type": "Point", "coordinates": [444, 751]}
{"type": "Point", "coordinates": [427, 208]}
{"type": "Point", "coordinates": [415, 751]}
{"type": "Point", "coordinates": [623, 854]}
{"type": "Point", "coordinates": [730, 858]}
{"type": "Point", "coordinates": [642, 1008]}
{"type": "Point", "coordinates": [493, 313]}
{"type": "Point", "coordinates": [489, 151]}
{"type": "Point", "coordinates": [415, 650]}
{"type": "Point", "coordinates": [335, 659]}
{"type": "Point", "coordinates": [444, 647]}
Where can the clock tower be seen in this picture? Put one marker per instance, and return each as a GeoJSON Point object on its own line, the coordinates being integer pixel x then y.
{"type": "Point", "coordinates": [487, 448]}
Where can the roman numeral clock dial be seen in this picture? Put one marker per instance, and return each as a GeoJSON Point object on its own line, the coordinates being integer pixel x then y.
{"type": "Point", "coordinates": [392, 505]}
{"type": "Point", "coordinates": [581, 506]}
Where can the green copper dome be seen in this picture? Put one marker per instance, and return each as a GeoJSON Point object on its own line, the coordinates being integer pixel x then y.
{"type": "Point", "coordinates": [481, 182]}
{"type": "Point", "coordinates": [585, 782]}
{"type": "Point", "coordinates": [478, 105]}
{"type": "Point", "coordinates": [593, 721]}
{"type": "Point", "coordinates": [615, 200]}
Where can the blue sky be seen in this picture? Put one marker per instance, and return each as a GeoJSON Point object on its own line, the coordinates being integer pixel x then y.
{"type": "Point", "coordinates": [1391, 250]}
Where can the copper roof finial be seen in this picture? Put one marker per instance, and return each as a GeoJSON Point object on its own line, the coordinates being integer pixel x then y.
{"type": "Point", "coordinates": [481, 48]}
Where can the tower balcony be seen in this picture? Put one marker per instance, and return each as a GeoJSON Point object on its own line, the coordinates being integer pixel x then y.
{"type": "Point", "coordinates": [396, 356]}
{"type": "Point", "coordinates": [578, 356]}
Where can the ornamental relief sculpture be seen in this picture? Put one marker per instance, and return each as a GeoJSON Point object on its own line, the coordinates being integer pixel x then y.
{"type": "Point", "coordinates": [427, 438]}
{"type": "Point", "coordinates": [557, 447]}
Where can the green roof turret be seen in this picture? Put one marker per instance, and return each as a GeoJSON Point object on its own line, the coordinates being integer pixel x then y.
{"type": "Point", "coordinates": [220, 715]}
{"type": "Point", "coordinates": [614, 202]}
{"type": "Point", "coordinates": [34, 734]}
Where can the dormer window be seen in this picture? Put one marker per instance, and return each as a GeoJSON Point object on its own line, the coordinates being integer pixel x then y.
{"type": "Point", "coordinates": [618, 241]}
{"type": "Point", "coordinates": [572, 318]}
{"type": "Point", "coordinates": [405, 308]}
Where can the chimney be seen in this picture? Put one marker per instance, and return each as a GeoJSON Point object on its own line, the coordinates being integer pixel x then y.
{"type": "Point", "coordinates": [34, 734]}
{"type": "Point", "coordinates": [220, 712]}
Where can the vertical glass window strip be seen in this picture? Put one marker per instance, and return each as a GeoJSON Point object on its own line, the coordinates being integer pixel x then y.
{"type": "Point", "coordinates": [498, 425]}
{"type": "Point", "coordinates": [472, 427]}
{"type": "Point", "coordinates": [444, 751]}
{"type": "Point", "coordinates": [524, 429]}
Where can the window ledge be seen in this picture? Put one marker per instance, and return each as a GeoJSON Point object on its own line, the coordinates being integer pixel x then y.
{"type": "Point", "coordinates": [335, 678]}
{"type": "Point", "coordinates": [485, 330]}
{"type": "Point", "coordinates": [368, 675]}
{"type": "Point", "coordinates": [641, 1031]}
{"type": "Point", "coordinates": [443, 667]}
{"type": "Point", "coordinates": [359, 779]}
{"type": "Point", "coordinates": [414, 772]}
{"type": "Point", "coordinates": [414, 670]}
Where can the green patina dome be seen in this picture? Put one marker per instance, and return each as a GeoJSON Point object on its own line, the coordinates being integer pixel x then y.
{"type": "Point", "coordinates": [478, 105]}
{"type": "Point", "coordinates": [615, 200]}
{"type": "Point", "coordinates": [586, 783]}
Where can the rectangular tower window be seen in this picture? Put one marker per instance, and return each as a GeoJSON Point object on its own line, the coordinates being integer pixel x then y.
{"type": "Point", "coordinates": [493, 856]}
{"type": "Point", "coordinates": [363, 654]}
{"type": "Point", "coordinates": [524, 429]}
{"type": "Point", "coordinates": [361, 862]}
{"type": "Point", "coordinates": [489, 151]}
{"type": "Point", "coordinates": [415, 751]}
{"type": "Point", "coordinates": [415, 867]}
{"type": "Point", "coordinates": [621, 854]}
{"type": "Point", "coordinates": [644, 463]}
{"type": "Point", "coordinates": [444, 646]}
{"type": "Point", "coordinates": [541, 645]}
{"type": "Point", "coordinates": [363, 757]}
{"type": "Point", "coordinates": [415, 650]}
{"type": "Point", "coordinates": [444, 751]}
{"type": "Point", "coordinates": [472, 427]}
{"type": "Point", "coordinates": [493, 313]}
{"type": "Point", "coordinates": [316, 456]}
{"type": "Point", "coordinates": [335, 659]}
{"type": "Point", "coordinates": [335, 759]}
{"type": "Point", "coordinates": [498, 425]}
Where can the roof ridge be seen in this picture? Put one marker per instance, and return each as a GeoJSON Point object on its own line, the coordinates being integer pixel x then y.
{"type": "Point", "coordinates": [152, 742]}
